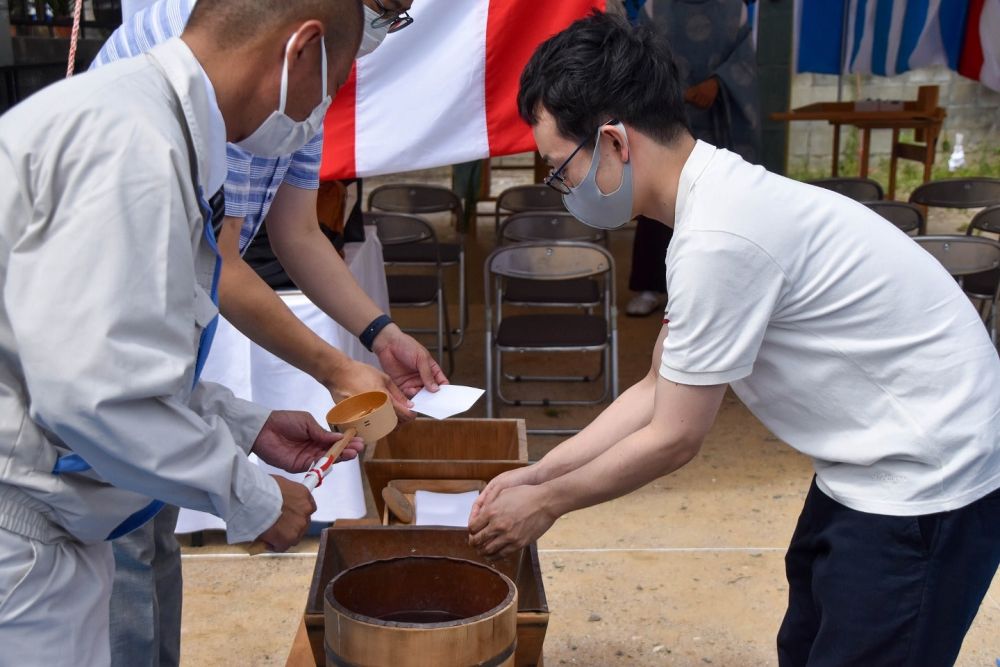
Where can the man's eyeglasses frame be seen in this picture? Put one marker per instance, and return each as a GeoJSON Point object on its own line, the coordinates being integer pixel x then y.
{"type": "Point", "coordinates": [395, 20]}
{"type": "Point", "coordinates": [555, 179]}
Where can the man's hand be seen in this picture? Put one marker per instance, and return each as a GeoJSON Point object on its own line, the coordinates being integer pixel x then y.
{"type": "Point", "coordinates": [407, 362]}
{"type": "Point", "coordinates": [518, 477]}
{"type": "Point", "coordinates": [516, 517]}
{"type": "Point", "coordinates": [297, 505]}
{"type": "Point", "coordinates": [354, 377]}
{"type": "Point", "coordinates": [292, 440]}
{"type": "Point", "coordinates": [703, 94]}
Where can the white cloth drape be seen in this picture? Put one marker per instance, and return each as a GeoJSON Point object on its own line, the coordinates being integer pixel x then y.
{"type": "Point", "coordinates": [255, 374]}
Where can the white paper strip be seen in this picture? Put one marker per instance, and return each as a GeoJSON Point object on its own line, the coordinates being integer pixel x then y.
{"type": "Point", "coordinates": [448, 401]}
{"type": "Point", "coordinates": [444, 509]}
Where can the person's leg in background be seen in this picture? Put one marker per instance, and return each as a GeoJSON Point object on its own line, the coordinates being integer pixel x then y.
{"type": "Point", "coordinates": [53, 601]}
{"type": "Point", "coordinates": [146, 600]}
{"type": "Point", "coordinates": [868, 589]}
{"type": "Point", "coordinates": [169, 585]}
{"type": "Point", "coordinates": [648, 276]}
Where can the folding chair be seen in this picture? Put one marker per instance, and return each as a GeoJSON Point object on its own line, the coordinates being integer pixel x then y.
{"type": "Point", "coordinates": [859, 189]}
{"type": "Point", "coordinates": [981, 285]}
{"type": "Point", "coordinates": [420, 199]}
{"type": "Point", "coordinates": [908, 217]}
{"type": "Point", "coordinates": [957, 193]}
{"type": "Point", "coordinates": [525, 198]}
{"type": "Point", "coordinates": [964, 257]}
{"type": "Point", "coordinates": [416, 290]}
{"type": "Point", "coordinates": [540, 227]}
{"type": "Point", "coordinates": [550, 332]}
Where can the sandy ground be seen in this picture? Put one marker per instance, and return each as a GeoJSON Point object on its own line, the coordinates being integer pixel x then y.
{"type": "Point", "coordinates": [686, 571]}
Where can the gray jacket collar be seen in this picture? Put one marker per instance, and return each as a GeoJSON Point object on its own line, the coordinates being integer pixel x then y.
{"type": "Point", "coordinates": [200, 107]}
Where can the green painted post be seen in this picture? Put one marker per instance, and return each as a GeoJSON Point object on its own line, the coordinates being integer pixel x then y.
{"type": "Point", "coordinates": [6, 47]}
{"type": "Point", "coordinates": [774, 68]}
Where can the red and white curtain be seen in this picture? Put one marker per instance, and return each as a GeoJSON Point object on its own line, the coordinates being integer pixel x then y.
{"type": "Point", "coordinates": [443, 90]}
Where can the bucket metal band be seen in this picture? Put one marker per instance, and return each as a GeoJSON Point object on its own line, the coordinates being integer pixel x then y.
{"type": "Point", "coordinates": [497, 660]}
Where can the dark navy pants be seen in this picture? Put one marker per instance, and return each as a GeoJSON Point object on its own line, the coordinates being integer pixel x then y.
{"type": "Point", "coordinates": [874, 590]}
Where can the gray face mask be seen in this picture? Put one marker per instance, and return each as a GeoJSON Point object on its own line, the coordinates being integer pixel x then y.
{"type": "Point", "coordinates": [591, 206]}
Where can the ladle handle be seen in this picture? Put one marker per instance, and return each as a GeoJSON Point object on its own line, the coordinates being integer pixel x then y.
{"type": "Point", "coordinates": [314, 477]}
{"type": "Point", "coordinates": [321, 468]}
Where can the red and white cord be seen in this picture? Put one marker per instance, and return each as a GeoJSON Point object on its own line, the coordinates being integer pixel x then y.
{"type": "Point", "coordinates": [74, 39]}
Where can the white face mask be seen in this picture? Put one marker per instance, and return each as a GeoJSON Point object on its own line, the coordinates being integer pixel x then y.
{"type": "Point", "coordinates": [372, 37]}
{"type": "Point", "coordinates": [280, 135]}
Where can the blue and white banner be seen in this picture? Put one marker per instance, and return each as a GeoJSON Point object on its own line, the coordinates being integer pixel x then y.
{"type": "Point", "coordinates": [884, 37]}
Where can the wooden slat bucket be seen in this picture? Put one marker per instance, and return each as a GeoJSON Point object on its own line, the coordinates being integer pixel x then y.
{"type": "Point", "coordinates": [421, 611]}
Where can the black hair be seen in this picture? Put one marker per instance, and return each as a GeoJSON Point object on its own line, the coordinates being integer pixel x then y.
{"type": "Point", "coordinates": [600, 68]}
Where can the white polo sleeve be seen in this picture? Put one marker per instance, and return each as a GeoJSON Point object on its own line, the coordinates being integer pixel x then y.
{"type": "Point", "coordinates": [723, 292]}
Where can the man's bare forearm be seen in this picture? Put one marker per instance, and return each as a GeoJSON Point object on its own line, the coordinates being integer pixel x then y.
{"type": "Point", "coordinates": [640, 458]}
{"type": "Point", "coordinates": [626, 415]}
{"type": "Point", "coordinates": [630, 412]}
{"type": "Point", "coordinates": [681, 417]}
{"type": "Point", "coordinates": [313, 263]}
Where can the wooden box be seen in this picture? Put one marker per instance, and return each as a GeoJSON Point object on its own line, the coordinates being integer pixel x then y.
{"type": "Point", "coordinates": [449, 449]}
{"type": "Point", "coordinates": [344, 547]}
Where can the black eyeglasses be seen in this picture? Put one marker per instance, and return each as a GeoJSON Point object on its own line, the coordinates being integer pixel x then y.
{"type": "Point", "coordinates": [395, 20]}
{"type": "Point", "coordinates": [555, 179]}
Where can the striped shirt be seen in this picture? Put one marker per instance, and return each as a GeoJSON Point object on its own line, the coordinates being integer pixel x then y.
{"type": "Point", "coordinates": [252, 181]}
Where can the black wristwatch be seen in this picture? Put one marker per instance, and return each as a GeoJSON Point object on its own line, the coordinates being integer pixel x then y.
{"type": "Point", "coordinates": [371, 331]}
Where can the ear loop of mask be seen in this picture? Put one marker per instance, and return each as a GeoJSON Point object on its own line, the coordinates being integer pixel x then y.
{"type": "Point", "coordinates": [284, 71]}
{"type": "Point", "coordinates": [284, 74]}
{"type": "Point", "coordinates": [322, 47]}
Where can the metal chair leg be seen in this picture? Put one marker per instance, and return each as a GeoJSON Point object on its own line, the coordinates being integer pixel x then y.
{"type": "Point", "coordinates": [447, 331]}
{"type": "Point", "coordinates": [488, 359]}
{"type": "Point", "coordinates": [615, 388]}
{"type": "Point", "coordinates": [440, 324]}
{"type": "Point", "coordinates": [463, 302]}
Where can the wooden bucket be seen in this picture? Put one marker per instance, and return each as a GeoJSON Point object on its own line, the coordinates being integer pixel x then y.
{"type": "Point", "coordinates": [421, 611]}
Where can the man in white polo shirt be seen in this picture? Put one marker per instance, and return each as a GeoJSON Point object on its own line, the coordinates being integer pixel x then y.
{"type": "Point", "coordinates": [841, 335]}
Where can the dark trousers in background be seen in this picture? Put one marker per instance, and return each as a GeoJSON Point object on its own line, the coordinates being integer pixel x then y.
{"type": "Point", "coordinates": [874, 590]}
{"type": "Point", "coordinates": [649, 252]}
{"type": "Point", "coordinates": [147, 594]}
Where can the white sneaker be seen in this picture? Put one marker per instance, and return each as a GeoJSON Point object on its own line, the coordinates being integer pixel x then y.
{"type": "Point", "coordinates": [643, 304]}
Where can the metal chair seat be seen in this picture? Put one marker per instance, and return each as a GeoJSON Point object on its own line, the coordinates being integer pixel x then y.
{"type": "Point", "coordinates": [575, 292]}
{"type": "Point", "coordinates": [552, 331]}
{"type": "Point", "coordinates": [412, 290]}
{"type": "Point", "coordinates": [422, 253]}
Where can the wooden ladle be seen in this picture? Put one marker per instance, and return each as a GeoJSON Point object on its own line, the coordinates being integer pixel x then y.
{"type": "Point", "coordinates": [369, 415]}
